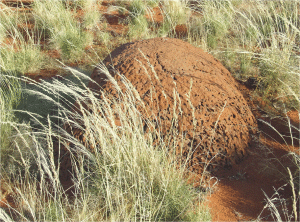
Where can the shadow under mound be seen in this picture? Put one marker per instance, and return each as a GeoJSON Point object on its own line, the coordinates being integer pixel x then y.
{"type": "Point", "coordinates": [280, 129]}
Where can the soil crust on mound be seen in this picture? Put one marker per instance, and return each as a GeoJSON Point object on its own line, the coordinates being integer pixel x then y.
{"type": "Point", "coordinates": [177, 81]}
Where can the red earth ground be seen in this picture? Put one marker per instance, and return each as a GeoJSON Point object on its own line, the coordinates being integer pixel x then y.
{"type": "Point", "coordinates": [238, 194]}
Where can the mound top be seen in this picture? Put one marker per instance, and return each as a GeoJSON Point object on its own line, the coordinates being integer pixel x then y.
{"type": "Point", "coordinates": [184, 87]}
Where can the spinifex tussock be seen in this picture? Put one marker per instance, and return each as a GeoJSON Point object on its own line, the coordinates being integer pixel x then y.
{"type": "Point", "coordinates": [20, 44]}
{"type": "Point", "coordinates": [257, 39]}
{"type": "Point", "coordinates": [66, 34]}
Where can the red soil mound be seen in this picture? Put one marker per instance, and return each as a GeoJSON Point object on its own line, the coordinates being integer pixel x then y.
{"type": "Point", "coordinates": [166, 71]}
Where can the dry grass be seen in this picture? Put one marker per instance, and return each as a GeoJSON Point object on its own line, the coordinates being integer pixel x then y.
{"type": "Point", "coordinates": [118, 175]}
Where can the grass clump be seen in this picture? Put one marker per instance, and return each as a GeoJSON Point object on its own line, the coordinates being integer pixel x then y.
{"type": "Point", "coordinates": [10, 95]}
{"type": "Point", "coordinates": [91, 18]}
{"type": "Point", "coordinates": [253, 39]}
{"type": "Point", "coordinates": [137, 7]}
{"type": "Point", "coordinates": [117, 173]}
{"type": "Point", "coordinates": [8, 22]}
{"type": "Point", "coordinates": [92, 15]}
{"type": "Point", "coordinates": [65, 32]}
{"type": "Point", "coordinates": [27, 59]}
{"type": "Point", "coordinates": [22, 52]}
{"type": "Point", "coordinates": [138, 27]}
{"type": "Point", "coordinates": [218, 18]}
{"type": "Point", "coordinates": [175, 13]}
{"type": "Point", "coordinates": [138, 24]}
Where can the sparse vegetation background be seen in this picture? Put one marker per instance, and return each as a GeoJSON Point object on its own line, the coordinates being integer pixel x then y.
{"type": "Point", "coordinates": [124, 177]}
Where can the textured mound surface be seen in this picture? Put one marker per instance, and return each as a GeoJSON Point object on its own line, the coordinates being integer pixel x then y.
{"type": "Point", "coordinates": [179, 81]}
